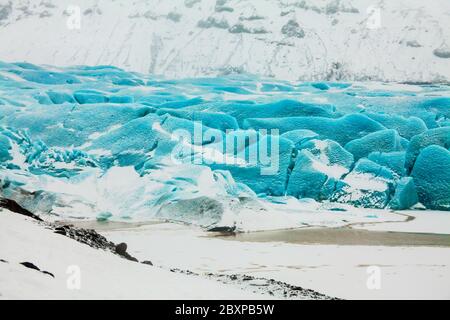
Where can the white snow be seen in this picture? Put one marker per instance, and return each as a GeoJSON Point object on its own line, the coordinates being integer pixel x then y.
{"type": "Point", "coordinates": [103, 275]}
{"type": "Point", "coordinates": [410, 272]}
{"type": "Point", "coordinates": [343, 40]}
{"type": "Point", "coordinates": [427, 221]}
{"type": "Point", "coordinates": [365, 181]}
{"type": "Point", "coordinates": [407, 272]}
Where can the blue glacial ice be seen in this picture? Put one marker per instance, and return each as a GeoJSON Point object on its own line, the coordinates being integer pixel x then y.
{"type": "Point", "coordinates": [405, 194]}
{"type": "Point", "coordinates": [382, 141]}
{"type": "Point", "coordinates": [106, 143]}
{"type": "Point", "coordinates": [431, 175]}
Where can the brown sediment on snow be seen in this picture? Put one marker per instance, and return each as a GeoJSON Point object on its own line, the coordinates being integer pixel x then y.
{"type": "Point", "coordinates": [342, 236]}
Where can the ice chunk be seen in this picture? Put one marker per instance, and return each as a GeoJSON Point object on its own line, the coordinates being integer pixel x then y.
{"type": "Point", "coordinates": [341, 130]}
{"type": "Point", "coordinates": [381, 141]}
{"type": "Point", "coordinates": [46, 77]}
{"type": "Point", "coordinates": [392, 160]}
{"type": "Point", "coordinates": [65, 125]}
{"type": "Point", "coordinates": [405, 194]}
{"type": "Point", "coordinates": [278, 109]}
{"type": "Point", "coordinates": [42, 99]}
{"type": "Point", "coordinates": [319, 165]}
{"type": "Point", "coordinates": [5, 149]}
{"type": "Point", "coordinates": [120, 99]}
{"type": "Point", "coordinates": [60, 97]}
{"type": "Point", "coordinates": [129, 144]}
{"type": "Point", "coordinates": [438, 136]}
{"type": "Point", "coordinates": [431, 175]}
{"type": "Point", "coordinates": [215, 120]}
{"type": "Point", "coordinates": [182, 103]}
{"type": "Point", "coordinates": [128, 82]}
{"type": "Point", "coordinates": [369, 185]}
{"type": "Point", "coordinates": [19, 151]}
{"type": "Point", "coordinates": [202, 210]}
{"type": "Point", "coordinates": [320, 85]}
{"type": "Point", "coordinates": [329, 152]}
{"type": "Point", "coordinates": [309, 178]}
{"type": "Point", "coordinates": [406, 127]}
{"type": "Point", "coordinates": [89, 96]}
{"type": "Point", "coordinates": [198, 133]}
{"type": "Point", "coordinates": [299, 136]}
{"type": "Point", "coordinates": [265, 174]}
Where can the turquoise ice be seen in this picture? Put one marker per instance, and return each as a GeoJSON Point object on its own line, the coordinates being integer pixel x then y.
{"type": "Point", "coordinates": [168, 142]}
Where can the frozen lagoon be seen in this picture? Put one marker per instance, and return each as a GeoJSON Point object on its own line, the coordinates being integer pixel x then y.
{"type": "Point", "coordinates": [413, 265]}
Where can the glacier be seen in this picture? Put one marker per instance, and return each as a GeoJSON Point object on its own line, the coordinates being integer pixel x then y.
{"type": "Point", "coordinates": [105, 143]}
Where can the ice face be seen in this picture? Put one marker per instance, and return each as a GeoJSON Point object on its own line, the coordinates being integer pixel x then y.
{"type": "Point", "coordinates": [438, 136]}
{"type": "Point", "coordinates": [381, 141]}
{"type": "Point", "coordinates": [102, 142]}
{"type": "Point", "coordinates": [432, 176]}
{"type": "Point", "coordinates": [341, 130]}
{"type": "Point", "coordinates": [405, 194]}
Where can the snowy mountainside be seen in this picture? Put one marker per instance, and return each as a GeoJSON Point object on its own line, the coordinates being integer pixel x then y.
{"type": "Point", "coordinates": [403, 40]}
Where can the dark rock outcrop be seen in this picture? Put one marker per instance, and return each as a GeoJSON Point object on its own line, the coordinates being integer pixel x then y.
{"type": "Point", "coordinates": [121, 250]}
{"type": "Point", "coordinates": [13, 206]}
{"type": "Point", "coordinates": [34, 267]}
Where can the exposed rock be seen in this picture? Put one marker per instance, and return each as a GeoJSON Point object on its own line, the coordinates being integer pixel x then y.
{"type": "Point", "coordinates": [175, 17]}
{"type": "Point", "coordinates": [13, 206]}
{"type": "Point", "coordinates": [121, 248]}
{"type": "Point", "coordinates": [5, 11]}
{"type": "Point", "coordinates": [30, 265]}
{"type": "Point", "coordinates": [190, 3]}
{"type": "Point", "coordinates": [442, 52]}
{"type": "Point", "coordinates": [49, 273]}
{"type": "Point", "coordinates": [224, 229]}
{"type": "Point", "coordinates": [94, 240]}
{"type": "Point", "coordinates": [240, 28]}
{"type": "Point", "coordinates": [293, 29]}
{"type": "Point", "coordinates": [212, 22]}
{"type": "Point", "coordinates": [45, 14]}
{"type": "Point", "coordinates": [272, 287]}
{"type": "Point", "coordinates": [34, 267]}
{"type": "Point", "coordinates": [413, 44]}
{"type": "Point", "coordinates": [221, 6]}
{"type": "Point", "coordinates": [86, 236]}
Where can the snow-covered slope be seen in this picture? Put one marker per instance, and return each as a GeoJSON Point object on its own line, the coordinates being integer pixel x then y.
{"type": "Point", "coordinates": [81, 272]}
{"type": "Point", "coordinates": [402, 40]}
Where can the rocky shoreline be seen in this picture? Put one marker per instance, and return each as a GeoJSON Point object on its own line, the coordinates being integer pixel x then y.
{"type": "Point", "coordinates": [276, 289]}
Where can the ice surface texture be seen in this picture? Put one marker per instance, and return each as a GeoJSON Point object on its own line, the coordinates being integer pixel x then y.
{"type": "Point", "coordinates": [103, 142]}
